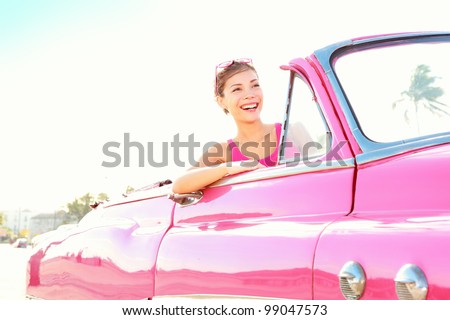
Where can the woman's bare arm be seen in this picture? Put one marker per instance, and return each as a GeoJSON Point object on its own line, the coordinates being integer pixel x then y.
{"type": "Point", "coordinates": [212, 166]}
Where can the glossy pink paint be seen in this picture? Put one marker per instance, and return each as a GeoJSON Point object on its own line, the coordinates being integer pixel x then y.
{"type": "Point", "coordinates": [382, 245]}
{"type": "Point", "coordinates": [334, 110]}
{"type": "Point", "coordinates": [251, 239]}
{"type": "Point", "coordinates": [103, 258]}
{"type": "Point", "coordinates": [285, 236]}
{"type": "Point", "coordinates": [401, 215]}
{"type": "Point", "coordinates": [417, 181]}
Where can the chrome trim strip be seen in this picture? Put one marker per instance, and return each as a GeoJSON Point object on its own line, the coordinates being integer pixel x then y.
{"type": "Point", "coordinates": [156, 192]}
{"type": "Point", "coordinates": [284, 170]}
{"type": "Point", "coordinates": [402, 147]}
{"type": "Point", "coordinates": [324, 54]}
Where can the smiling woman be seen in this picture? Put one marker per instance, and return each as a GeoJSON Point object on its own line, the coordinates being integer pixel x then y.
{"type": "Point", "coordinates": [105, 68]}
{"type": "Point", "coordinates": [239, 94]}
{"type": "Point", "coordinates": [339, 217]}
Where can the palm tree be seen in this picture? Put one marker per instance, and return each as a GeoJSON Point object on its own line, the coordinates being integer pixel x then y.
{"type": "Point", "coordinates": [423, 94]}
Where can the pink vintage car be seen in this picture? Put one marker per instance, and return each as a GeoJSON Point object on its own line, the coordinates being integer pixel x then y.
{"type": "Point", "coordinates": [358, 208]}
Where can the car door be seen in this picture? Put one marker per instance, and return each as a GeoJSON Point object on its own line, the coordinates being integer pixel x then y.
{"type": "Point", "coordinates": [254, 234]}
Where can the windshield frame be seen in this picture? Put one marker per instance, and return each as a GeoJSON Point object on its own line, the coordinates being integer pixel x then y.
{"type": "Point", "coordinates": [372, 150]}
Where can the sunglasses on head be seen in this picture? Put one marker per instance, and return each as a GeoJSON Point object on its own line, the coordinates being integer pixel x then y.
{"type": "Point", "coordinates": [222, 66]}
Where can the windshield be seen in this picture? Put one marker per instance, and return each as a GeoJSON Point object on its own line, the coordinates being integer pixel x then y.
{"type": "Point", "coordinates": [399, 92]}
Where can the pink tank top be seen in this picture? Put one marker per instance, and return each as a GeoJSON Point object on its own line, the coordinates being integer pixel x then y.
{"type": "Point", "coordinates": [271, 160]}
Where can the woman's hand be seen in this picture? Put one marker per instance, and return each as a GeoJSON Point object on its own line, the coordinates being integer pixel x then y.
{"type": "Point", "coordinates": [236, 167]}
{"type": "Point", "coordinates": [198, 178]}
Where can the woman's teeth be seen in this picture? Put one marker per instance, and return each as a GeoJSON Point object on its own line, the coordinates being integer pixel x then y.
{"type": "Point", "coordinates": [249, 106]}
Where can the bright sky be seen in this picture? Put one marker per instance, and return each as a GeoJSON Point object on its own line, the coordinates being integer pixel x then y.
{"type": "Point", "coordinates": [75, 75]}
